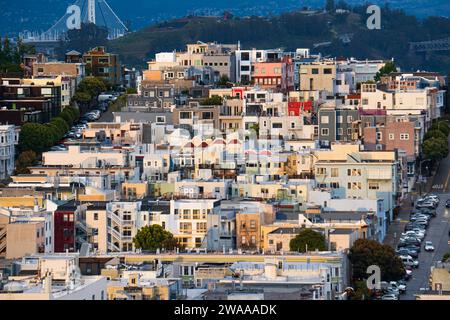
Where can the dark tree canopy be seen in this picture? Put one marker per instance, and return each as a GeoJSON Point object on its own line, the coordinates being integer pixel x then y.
{"type": "Point", "coordinates": [365, 253]}
{"type": "Point", "coordinates": [386, 69]}
{"type": "Point", "coordinates": [435, 148]}
{"type": "Point", "coordinates": [308, 239]}
{"type": "Point", "coordinates": [151, 238]}
{"type": "Point", "coordinates": [213, 101]}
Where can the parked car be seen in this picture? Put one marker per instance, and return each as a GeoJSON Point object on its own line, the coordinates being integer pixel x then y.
{"type": "Point", "coordinates": [413, 247]}
{"type": "Point", "coordinates": [447, 203]}
{"type": "Point", "coordinates": [426, 204]}
{"type": "Point", "coordinates": [409, 261]}
{"type": "Point", "coordinates": [389, 296]}
{"type": "Point", "coordinates": [413, 234]}
{"type": "Point", "coordinates": [400, 285]}
{"type": "Point", "coordinates": [402, 251]}
{"type": "Point", "coordinates": [429, 246]}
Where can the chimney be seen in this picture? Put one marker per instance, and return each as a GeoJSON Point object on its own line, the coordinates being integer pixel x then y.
{"type": "Point", "coordinates": [48, 283]}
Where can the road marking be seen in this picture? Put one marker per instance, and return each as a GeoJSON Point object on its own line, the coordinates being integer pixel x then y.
{"type": "Point", "coordinates": [446, 182]}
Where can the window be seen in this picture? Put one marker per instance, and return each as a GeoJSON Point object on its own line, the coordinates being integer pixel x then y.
{"type": "Point", "coordinates": [196, 214]}
{"type": "Point", "coordinates": [354, 185]}
{"type": "Point", "coordinates": [374, 186]}
{"type": "Point", "coordinates": [201, 227]}
{"type": "Point", "coordinates": [335, 172]}
{"type": "Point", "coordinates": [277, 125]}
{"type": "Point", "coordinates": [245, 56]}
{"type": "Point", "coordinates": [324, 119]}
{"type": "Point", "coordinates": [315, 71]}
{"type": "Point", "coordinates": [325, 131]}
{"type": "Point", "coordinates": [353, 172]}
{"type": "Point", "coordinates": [321, 171]}
{"type": "Point", "coordinates": [207, 115]}
{"type": "Point", "coordinates": [404, 136]}
{"type": "Point", "coordinates": [160, 119]}
{"type": "Point", "coordinates": [334, 185]}
{"type": "Point", "coordinates": [349, 119]}
{"type": "Point", "coordinates": [365, 102]}
{"type": "Point", "coordinates": [340, 119]}
{"type": "Point", "coordinates": [327, 71]}
{"type": "Point", "coordinates": [340, 131]}
{"type": "Point", "coordinates": [379, 136]}
{"type": "Point", "coordinates": [391, 136]}
{"type": "Point", "coordinates": [185, 115]}
{"type": "Point", "coordinates": [252, 224]}
{"type": "Point", "coordinates": [95, 216]}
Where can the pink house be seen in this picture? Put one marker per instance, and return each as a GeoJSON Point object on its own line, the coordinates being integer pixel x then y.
{"type": "Point", "coordinates": [278, 75]}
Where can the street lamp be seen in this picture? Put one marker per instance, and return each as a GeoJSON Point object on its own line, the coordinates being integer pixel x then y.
{"type": "Point", "coordinates": [420, 175]}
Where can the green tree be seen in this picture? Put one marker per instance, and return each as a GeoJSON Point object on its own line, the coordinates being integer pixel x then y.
{"type": "Point", "coordinates": [212, 101]}
{"type": "Point", "coordinates": [67, 117]}
{"type": "Point", "coordinates": [131, 91]}
{"type": "Point", "coordinates": [153, 237]}
{"type": "Point", "coordinates": [24, 160]}
{"type": "Point", "coordinates": [361, 291]}
{"type": "Point", "coordinates": [92, 86]}
{"type": "Point", "coordinates": [61, 124]}
{"type": "Point", "coordinates": [54, 132]}
{"type": "Point", "coordinates": [386, 69]}
{"type": "Point", "coordinates": [446, 257]}
{"type": "Point", "coordinates": [35, 137]}
{"type": "Point", "coordinates": [441, 126]}
{"type": "Point", "coordinates": [223, 81]}
{"type": "Point", "coordinates": [308, 239]}
{"type": "Point", "coordinates": [365, 253]}
{"type": "Point", "coordinates": [82, 97]}
{"type": "Point", "coordinates": [255, 127]}
{"type": "Point", "coordinates": [435, 133]}
{"type": "Point", "coordinates": [435, 148]}
{"type": "Point", "coordinates": [74, 112]}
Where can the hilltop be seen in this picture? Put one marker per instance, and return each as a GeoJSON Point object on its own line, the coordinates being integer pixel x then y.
{"type": "Point", "coordinates": [295, 30]}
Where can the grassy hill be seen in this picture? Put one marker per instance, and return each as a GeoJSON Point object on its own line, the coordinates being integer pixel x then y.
{"type": "Point", "coordinates": [298, 30]}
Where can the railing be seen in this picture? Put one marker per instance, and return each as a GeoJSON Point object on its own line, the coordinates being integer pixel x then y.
{"type": "Point", "coordinates": [115, 233]}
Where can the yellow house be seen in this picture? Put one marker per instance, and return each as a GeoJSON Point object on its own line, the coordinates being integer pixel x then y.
{"type": "Point", "coordinates": [136, 190]}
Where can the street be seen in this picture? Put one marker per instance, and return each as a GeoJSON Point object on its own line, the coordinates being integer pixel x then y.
{"type": "Point", "coordinates": [437, 231]}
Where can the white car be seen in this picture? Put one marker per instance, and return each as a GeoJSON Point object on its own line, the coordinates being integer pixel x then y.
{"type": "Point", "coordinates": [429, 246]}
{"type": "Point", "coordinates": [389, 296]}
{"type": "Point", "coordinates": [413, 234]}
{"type": "Point", "coordinates": [399, 286]}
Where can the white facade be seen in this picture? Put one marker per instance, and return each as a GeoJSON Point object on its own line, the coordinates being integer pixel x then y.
{"type": "Point", "coordinates": [9, 138]}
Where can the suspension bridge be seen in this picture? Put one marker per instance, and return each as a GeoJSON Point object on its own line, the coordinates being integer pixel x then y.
{"type": "Point", "coordinates": [97, 12]}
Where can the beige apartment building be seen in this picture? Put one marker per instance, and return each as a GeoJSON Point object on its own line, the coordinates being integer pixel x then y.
{"type": "Point", "coordinates": [318, 76]}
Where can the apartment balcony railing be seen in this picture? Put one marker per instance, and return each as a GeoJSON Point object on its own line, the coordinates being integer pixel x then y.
{"type": "Point", "coordinates": [116, 234]}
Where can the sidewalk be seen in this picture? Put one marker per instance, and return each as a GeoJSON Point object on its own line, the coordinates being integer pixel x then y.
{"type": "Point", "coordinates": [397, 226]}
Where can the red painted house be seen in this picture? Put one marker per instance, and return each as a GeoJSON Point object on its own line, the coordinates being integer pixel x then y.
{"type": "Point", "coordinates": [297, 108]}
{"type": "Point", "coordinates": [64, 230]}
